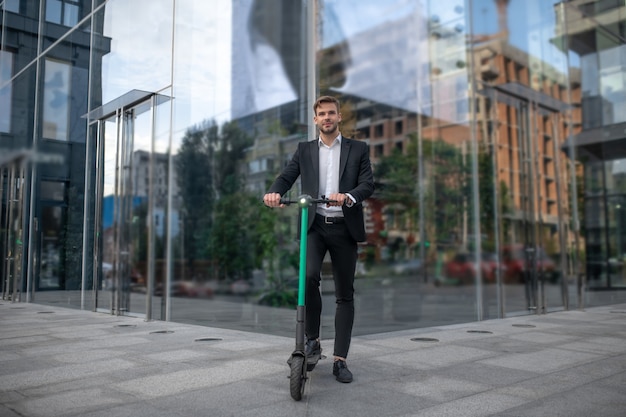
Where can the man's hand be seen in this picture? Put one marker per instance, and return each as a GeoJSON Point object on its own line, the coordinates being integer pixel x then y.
{"type": "Point", "coordinates": [272, 200]}
{"type": "Point", "coordinates": [340, 199]}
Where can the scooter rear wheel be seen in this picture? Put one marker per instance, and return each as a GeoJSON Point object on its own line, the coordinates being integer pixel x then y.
{"type": "Point", "coordinates": [298, 377]}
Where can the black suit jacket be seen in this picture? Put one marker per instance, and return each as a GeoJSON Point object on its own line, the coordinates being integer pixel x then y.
{"type": "Point", "coordinates": [355, 178]}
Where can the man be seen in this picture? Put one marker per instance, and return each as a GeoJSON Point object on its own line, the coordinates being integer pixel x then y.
{"type": "Point", "coordinates": [339, 169]}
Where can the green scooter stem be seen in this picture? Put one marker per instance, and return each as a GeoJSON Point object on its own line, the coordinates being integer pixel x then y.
{"type": "Point", "coordinates": [300, 309]}
{"type": "Point", "coordinates": [303, 238]}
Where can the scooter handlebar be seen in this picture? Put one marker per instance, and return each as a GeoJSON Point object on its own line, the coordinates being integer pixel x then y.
{"type": "Point", "coordinates": [306, 200]}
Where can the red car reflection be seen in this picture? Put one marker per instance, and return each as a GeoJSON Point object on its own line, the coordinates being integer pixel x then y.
{"type": "Point", "coordinates": [462, 268]}
{"type": "Point", "coordinates": [517, 260]}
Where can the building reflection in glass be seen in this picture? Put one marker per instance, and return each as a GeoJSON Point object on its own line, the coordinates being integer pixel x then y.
{"type": "Point", "coordinates": [494, 128]}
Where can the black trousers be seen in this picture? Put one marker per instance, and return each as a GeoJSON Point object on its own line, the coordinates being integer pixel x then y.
{"type": "Point", "coordinates": [336, 240]}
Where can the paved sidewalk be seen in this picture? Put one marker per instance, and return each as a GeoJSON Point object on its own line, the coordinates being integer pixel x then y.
{"type": "Point", "coordinates": [62, 362]}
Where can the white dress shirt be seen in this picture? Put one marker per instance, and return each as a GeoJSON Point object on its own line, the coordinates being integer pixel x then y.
{"type": "Point", "coordinates": [329, 175]}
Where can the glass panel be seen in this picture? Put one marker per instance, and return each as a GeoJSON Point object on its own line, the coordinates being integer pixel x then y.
{"type": "Point", "coordinates": [262, 82]}
{"type": "Point", "coordinates": [14, 36]}
{"type": "Point", "coordinates": [597, 57]}
{"type": "Point", "coordinates": [138, 187]}
{"type": "Point", "coordinates": [124, 212]}
{"type": "Point", "coordinates": [6, 90]}
{"type": "Point", "coordinates": [164, 217]}
{"type": "Point", "coordinates": [65, 92]}
{"type": "Point", "coordinates": [124, 66]}
{"type": "Point", "coordinates": [124, 58]}
{"type": "Point", "coordinates": [20, 134]}
{"type": "Point", "coordinates": [52, 272]}
{"type": "Point", "coordinates": [613, 84]}
{"type": "Point", "coordinates": [14, 146]}
{"type": "Point", "coordinates": [54, 11]}
{"type": "Point", "coordinates": [53, 190]}
{"type": "Point", "coordinates": [64, 15]}
{"type": "Point", "coordinates": [56, 100]}
{"type": "Point", "coordinates": [13, 232]}
{"type": "Point", "coordinates": [108, 141]}
{"type": "Point", "coordinates": [61, 157]}
{"type": "Point", "coordinates": [100, 48]}
{"type": "Point", "coordinates": [448, 151]}
{"type": "Point", "coordinates": [521, 90]}
{"type": "Point", "coordinates": [12, 6]}
{"type": "Point", "coordinates": [71, 13]}
{"type": "Point", "coordinates": [251, 90]}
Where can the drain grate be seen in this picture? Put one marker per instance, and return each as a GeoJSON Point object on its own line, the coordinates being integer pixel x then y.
{"type": "Point", "coordinates": [527, 326]}
{"type": "Point", "coordinates": [424, 339]}
{"type": "Point", "coordinates": [208, 339]}
{"type": "Point", "coordinates": [162, 332]}
{"type": "Point", "coordinates": [45, 312]}
{"type": "Point", "coordinates": [126, 325]}
{"type": "Point", "coordinates": [480, 331]}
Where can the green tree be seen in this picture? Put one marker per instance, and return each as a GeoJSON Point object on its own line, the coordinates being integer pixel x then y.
{"type": "Point", "coordinates": [231, 244]}
{"type": "Point", "coordinates": [229, 147]}
{"type": "Point", "coordinates": [444, 189]}
{"type": "Point", "coordinates": [195, 183]}
{"type": "Point", "coordinates": [487, 177]}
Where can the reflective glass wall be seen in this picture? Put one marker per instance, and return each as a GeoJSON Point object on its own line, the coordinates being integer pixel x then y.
{"type": "Point", "coordinates": [139, 137]}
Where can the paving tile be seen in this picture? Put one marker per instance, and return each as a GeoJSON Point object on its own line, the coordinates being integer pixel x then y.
{"type": "Point", "coordinates": [78, 363]}
{"type": "Point", "coordinates": [542, 361]}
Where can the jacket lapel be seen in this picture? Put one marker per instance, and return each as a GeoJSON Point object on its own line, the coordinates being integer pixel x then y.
{"type": "Point", "coordinates": [343, 159]}
{"type": "Point", "coordinates": [315, 162]}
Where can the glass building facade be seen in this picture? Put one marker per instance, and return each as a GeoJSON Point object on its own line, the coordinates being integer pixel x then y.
{"type": "Point", "coordinates": [138, 137]}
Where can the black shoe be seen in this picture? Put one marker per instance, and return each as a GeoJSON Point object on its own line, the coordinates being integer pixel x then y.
{"type": "Point", "coordinates": [312, 348]}
{"type": "Point", "coordinates": [341, 371]}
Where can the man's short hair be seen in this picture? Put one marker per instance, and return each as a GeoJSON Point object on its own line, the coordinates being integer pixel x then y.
{"type": "Point", "coordinates": [325, 99]}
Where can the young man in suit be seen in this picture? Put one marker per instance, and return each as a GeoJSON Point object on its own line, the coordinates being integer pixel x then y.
{"type": "Point", "coordinates": [336, 168]}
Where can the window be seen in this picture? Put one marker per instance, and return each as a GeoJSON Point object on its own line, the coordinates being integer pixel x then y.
{"type": "Point", "coordinates": [378, 131]}
{"type": "Point", "coordinates": [63, 12]}
{"type": "Point", "coordinates": [52, 190]}
{"type": "Point", "coordinates": [258, 165]}
{"type": "Point", "coordinates": [399, 127]}
{"type": "Point", "coordinates": [597, 7]}
{"type": "Point", "coordinates": [6, 67]}
{"type": "Point", "coordinates": [12, 6]}
{"type": "Point", "coordinates": [56, 106]}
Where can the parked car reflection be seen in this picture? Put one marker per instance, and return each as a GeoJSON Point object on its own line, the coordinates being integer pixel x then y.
{"type": "Point", "coordinates": [187, 289]}
{"type": "Point", "coordinates": [407, 267]}
{"type": "Point", "coordinates": [462, 269]}
{"type": "Point", "coordinates": [521, 262]}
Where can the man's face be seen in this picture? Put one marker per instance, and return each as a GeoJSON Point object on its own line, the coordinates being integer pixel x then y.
{"type": "Point", "coordinates": [327, 118]}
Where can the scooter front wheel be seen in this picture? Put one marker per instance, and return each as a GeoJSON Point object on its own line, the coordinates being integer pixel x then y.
{"type": "Point", "coordinates": [297, 377]}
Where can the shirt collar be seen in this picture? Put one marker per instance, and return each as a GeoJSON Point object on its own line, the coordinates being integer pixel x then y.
{"type": "Point", "coordinates": [320, 142]}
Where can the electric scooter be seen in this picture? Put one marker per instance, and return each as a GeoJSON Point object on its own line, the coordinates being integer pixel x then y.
{"type": "Point", "coordinates": [298, 362]}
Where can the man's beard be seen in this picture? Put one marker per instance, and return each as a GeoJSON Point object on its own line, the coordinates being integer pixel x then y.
{"type": "Point", "coordinates": [328, 130]}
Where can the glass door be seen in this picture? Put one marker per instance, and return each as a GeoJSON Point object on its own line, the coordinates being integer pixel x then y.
{"type": "Point", "coordinates": [534, 235]}
{"type": "Point", "coordinates": [124, 171]}
{"type": "Point", "coordinates": [12, 179]}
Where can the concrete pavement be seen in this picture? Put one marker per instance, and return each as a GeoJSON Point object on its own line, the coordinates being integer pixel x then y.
{"type": "Point", "coordinates": [63, 362]}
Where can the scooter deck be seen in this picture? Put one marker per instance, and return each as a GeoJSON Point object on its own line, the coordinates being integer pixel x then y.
{"type": "Point", "coordinates": [311, 361]}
